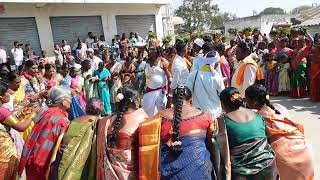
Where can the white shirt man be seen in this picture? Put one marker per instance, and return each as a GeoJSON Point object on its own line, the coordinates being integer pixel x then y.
{"type": "Point", "coordinates": [180, 72]}
{"type": "Point", "coordinates": [89, 42]}
{"type": "Point", "coordinates": [249, 76]}
{"type": "Point", "coordinates": [17, 54]}
{"type": "Point", "coordinates": [3, 56]}
{"type": "Point", "coordinates": [206, 84]}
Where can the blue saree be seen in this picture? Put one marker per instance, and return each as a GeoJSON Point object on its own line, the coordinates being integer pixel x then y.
{"type": "Point", "coordinates": [104, 89]}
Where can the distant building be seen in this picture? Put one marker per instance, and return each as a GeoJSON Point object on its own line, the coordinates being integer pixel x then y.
{"type": "Point", "coordinates": [309, 19]}
{"type": "Point", "coordinates": [263, 22]}
{"type": "Point", "coordinates": [43, 23]}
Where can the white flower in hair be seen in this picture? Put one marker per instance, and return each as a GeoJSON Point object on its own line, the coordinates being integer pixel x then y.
{"type": "Point", "coordinates": [119, 97]}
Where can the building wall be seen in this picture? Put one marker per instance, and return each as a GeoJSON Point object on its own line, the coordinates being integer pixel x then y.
{"type": "Point", "coordinates": [106, 11]}
{"type": "Point", "coordinates": [313, 29]}
{"type": "Point", "coordinates": [263, 22]}
{"type": "Point", "coordinates": [95, 1]}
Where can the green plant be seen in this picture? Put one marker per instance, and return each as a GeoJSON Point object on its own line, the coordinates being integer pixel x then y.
{"type": "Point", "coordinates": [274, 32]}
{"type": "Point", "coordinates": [152, 35]}
{"type": "Point", "coordinates": [232, 31]}
{"type": "Point", "coordinates": [247, 29]}
{"type": "Point", "coordinates": [256, 29]}
{"type": "Point", "coordinates": [167, 39]}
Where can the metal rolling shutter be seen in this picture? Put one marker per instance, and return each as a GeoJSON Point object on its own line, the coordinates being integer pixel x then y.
{"type": "Point", "coordinates": [141, 24]}
{"type": "Point", "coordinates": [23, 30]}
{"type": "Point", "coordinates": [71, 27]}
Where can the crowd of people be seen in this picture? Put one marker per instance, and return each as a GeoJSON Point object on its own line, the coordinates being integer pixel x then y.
{"type": "Point", "coordinates": [136, 110]}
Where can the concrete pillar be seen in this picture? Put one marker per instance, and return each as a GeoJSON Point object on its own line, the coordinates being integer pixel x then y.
{"type": "Point", "coordinates": [159, 24]}
{"type": "Point", "coordinates": [44, 30]}
{"type": "Point", "coordinates": [109, 26]}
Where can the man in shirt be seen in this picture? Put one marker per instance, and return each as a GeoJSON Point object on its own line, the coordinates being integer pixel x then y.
{"type": "Point", "coordinates": [3, 55]}
{"type": "Point", "coordinates": [17, 54]}
{"type": "Point", "coordinates": [94, 59]}
{"type": "Point", "coordinates": [89, 40]}
{"type": "Point", "coordinates": [180, 70]}
{"type": "Point", "coordinates": [197, 48]}
{"type": "Point", "coordinates": [247, 71]}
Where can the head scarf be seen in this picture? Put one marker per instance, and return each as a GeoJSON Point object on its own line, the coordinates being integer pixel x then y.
{"type": "Point", "coordinates": [211, 61]}
{"type": "Point", "coordinates": [57, 94]}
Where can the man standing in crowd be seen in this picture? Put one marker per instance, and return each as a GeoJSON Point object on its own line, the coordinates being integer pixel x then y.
{"type": "Point", "coordinates": [247, 71]}
{"type": "Point", "coordinates": [17, 54]}
{"type": "Point", "coordinates": [89, 40]}
{"type": "Point", "coordinates": [3, 55]}
{"type": "Point", "coordinates": [197, 49]}
{"type": "Point", "coordinates": [180, 70]}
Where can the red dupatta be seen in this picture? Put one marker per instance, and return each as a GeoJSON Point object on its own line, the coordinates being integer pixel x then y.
{"type": "Point", "coordinates": [302, 53]}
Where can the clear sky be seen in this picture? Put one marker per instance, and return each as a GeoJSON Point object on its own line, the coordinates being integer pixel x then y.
{"type": "Point", "coordinates": [244, 8]}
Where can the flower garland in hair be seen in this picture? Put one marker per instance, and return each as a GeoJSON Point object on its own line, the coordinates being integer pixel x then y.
{"type": "Point", "coordinates": [235, 97]}
{"type": "Point", "coordinates": [119, 97]}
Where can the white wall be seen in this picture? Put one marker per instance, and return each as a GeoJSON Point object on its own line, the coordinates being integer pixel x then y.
{"type": "Point", "coordinates": [106, 11]}
{"type": "Point", "coordinates": [264, 22]}
{"type": "Point", "coordinates": [94, 1]}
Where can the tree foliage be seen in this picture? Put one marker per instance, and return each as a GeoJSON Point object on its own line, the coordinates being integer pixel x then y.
{"type": "Point", "coordinates": [196, 14]}
{"type": "Point", "coordinates": [272, 10]}
{"type": "Point", "coordinates": [218, 20]}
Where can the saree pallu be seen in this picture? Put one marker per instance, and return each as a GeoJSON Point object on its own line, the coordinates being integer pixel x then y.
{"type": "Point", "coordinates": [315, 81]}
{"type": "Point", "coordinates": [76, 110]}
{"type": "Point", "coordinates": [104, 168]}
{"type": "Point", "coordinates": [149, 149]}
{"type": "Point", "coordinates": [272, 82]}
{"type": "Point", "coordinates": [293, 153]}
{"type": "Point", "coordinates": [41, 144]}
{"type": "Point", "coordinates": [293, 158]}
{"type": "Point", "coordinates": [253, 158]}
{"type": "Point", "coordinates": [299, 81]}
{"type": "Point", "coordinates": [8, 155]}
{"type": "Point", "coordinates": [79, 155]}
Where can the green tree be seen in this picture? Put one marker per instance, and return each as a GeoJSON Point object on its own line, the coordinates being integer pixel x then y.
{"type": "Point", "coordinates": [218, 21]}
{"type": "Point", "coordinates": [272, 10]}
{"type": "Point", "coordinates": [196, 14]}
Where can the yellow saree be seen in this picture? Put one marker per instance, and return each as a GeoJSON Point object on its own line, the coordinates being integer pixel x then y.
{"type": "Point", "coordinates": [149, 148]}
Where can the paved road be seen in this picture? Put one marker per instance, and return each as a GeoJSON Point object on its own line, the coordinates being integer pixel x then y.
{"type": "Point", "coordinates": [309, 113]}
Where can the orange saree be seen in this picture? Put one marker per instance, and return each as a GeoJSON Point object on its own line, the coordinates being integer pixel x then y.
{"type": "Point", "coordinates": [293, 154]}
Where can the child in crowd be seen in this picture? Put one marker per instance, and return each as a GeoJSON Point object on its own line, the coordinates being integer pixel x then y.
{"type": "Point", "coordinates": [271, 75]}
{"type": "Point", "coordinates": [284, 68]}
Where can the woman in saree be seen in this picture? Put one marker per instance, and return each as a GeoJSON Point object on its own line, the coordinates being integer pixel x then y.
{"type": "Point", "coordinates": [251, 155]}
{"type": "Point", "coordinates": [286, 136]}
{"type": "Point", "coordinates": [185, 138]}
{"type": "Point", "coordinates": [117, 138]}
{"type": "Point", "coordinates": [128, 70]}
{"type": "Point", "coordinates": [115, 70]}
{"type": "Point", "coordinates": [43, 142]}
{"type": "Point", "coordinates": [103, 75]}
{"type": "Point", "coordinates": [17, 103]}
{"type": "Point", "coordinates": [89, 87]}
{"type": "Point", "coordinates": [50, 78]}
{"type": "Point", "coordinates": [78, 103]}
{"type": "Point", "coordinates": [299, 68]}
{"type": "Point", "coordinates": [9, 157]}
{"type": "Point", "coordinates": [33, 82]}
{"type": "Point", "coordinates": [76, 158]}
{"type": "Point", "coordinates": [223, 66]}
{"type": "Point", "coordinates": [315, 72]}
{"type": "Point", "coordinates": [63, 76]}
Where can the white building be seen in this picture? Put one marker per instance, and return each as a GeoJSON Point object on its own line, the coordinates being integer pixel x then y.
{"type": "Point", "coordinates": [47, 22]}
{"type": "Point", "coordinates": [263, 22]}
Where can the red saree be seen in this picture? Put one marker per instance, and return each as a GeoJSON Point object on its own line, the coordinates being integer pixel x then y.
{"type": "Point", "coordinates": [315, 77]}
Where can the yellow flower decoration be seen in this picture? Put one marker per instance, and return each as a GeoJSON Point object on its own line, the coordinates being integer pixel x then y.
{"type": "Point", "coordinates": [235, 97]}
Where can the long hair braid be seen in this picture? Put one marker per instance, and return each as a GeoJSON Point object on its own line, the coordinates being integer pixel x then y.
{"type": "Point", "coordinates": [129, 96]}
{"type": "Point", "coordinates": [271, 106]}
{"type": "Point", "coordinates": [179, 94]}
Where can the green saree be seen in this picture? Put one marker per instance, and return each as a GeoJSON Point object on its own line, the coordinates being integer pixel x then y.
{"type": "Point", "coordinates": [79, 156]}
